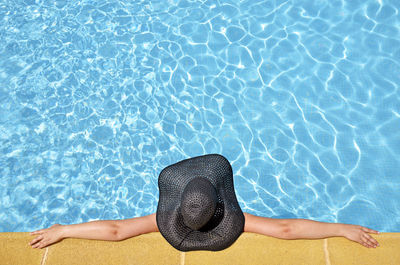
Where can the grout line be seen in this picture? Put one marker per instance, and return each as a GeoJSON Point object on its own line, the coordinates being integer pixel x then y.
{"type": "Point", "coordinates": [326, 251]}
{"type": "Point", "coordinates": [182, 258]}
{"type": "Point", "coordinates": [44, 257]}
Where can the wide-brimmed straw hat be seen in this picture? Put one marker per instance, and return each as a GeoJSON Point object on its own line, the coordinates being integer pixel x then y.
{"type": "Point", "coordinates": [198, 209]}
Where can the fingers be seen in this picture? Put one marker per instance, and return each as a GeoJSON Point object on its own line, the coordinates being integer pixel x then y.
{"type": "Point", "coordinates": [38, 232]}
{"type": "Point", "coordinates": [39, 245]}
{"type": "Point", "coordinates": [365, 245]}
{"type": "Point", "coordinates": [37, 239]}
{"type": "Point", "coordinates": [369, 241]}
{"type": "Point", "coordinates": [365, 229]}
{"type": "Point", "coordinates": [36, 245]}
{"type": "Point", "coordinates": [37, 242]}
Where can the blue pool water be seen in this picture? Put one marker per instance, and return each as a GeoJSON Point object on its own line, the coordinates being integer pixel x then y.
{"type": "Point", "coordinates": [96, 97]}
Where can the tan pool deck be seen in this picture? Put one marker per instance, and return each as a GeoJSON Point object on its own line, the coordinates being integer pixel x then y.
{"type": "Point", "coordinates": [153, 249]}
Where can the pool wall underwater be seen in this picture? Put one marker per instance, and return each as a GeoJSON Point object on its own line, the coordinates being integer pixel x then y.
{"type": "Point", "coordinates": [97, 97]}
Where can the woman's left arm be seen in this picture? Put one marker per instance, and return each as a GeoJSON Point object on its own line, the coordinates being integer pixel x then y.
{"type": "Point", "coordinates": [136, 226]}
{"type": "Point", "coordinates": [110, 230]}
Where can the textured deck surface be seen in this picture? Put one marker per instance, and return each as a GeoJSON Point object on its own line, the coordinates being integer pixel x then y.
{"type": "Point", "coordinates": [153, 249]}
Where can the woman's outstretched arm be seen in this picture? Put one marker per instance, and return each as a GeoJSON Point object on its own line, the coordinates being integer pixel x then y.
{"type": "Point", "coordinates": [308, 229]}
{"type": "Point", "coordinates": [111, 230]}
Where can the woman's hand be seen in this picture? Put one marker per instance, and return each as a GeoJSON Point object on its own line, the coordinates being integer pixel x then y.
{"type": "Point", "coordinates": [47, 236]}
{"type": "Point", "coordinates": [360, 235]}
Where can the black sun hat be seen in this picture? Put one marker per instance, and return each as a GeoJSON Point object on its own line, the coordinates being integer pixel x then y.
{"type": "Point", "coordinates": [198, 209]}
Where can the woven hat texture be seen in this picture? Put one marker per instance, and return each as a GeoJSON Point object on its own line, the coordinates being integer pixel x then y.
{"type": "Point", "coordinates": [198, 208]}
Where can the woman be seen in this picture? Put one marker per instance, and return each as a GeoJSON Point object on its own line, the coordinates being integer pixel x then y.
{"type": "Point", "coordinates": [198, 210]}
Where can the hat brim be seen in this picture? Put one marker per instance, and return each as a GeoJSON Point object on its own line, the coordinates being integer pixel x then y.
{"type": "Point", "coordinates": [172, 181]}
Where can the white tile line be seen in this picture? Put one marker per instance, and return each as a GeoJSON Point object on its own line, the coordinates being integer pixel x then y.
{"type": "Point", "coordinates": [182, 258]}
{"type": "Point", "coordinates": [44, 257]}
{"type": "Point", "coordinates": [326, 251]}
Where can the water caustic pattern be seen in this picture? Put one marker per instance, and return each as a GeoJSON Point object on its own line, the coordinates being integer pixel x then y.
{"type": "Point", "coordinates": [302, 97]}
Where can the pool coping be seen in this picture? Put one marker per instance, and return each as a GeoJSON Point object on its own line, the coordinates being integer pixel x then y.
{"type": "Point", "coordinates": [153, 249]}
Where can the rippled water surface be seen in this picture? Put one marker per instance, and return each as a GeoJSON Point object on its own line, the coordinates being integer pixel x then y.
{"type": "Point", "coordinates": [96, 97]}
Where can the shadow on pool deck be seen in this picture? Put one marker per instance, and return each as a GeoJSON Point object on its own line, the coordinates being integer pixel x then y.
{"type": "Point", "coordinates": [153, 249]}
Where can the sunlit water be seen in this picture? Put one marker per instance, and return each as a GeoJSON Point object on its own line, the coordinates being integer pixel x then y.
{"type": "Point", "coordinates": [96, 97]}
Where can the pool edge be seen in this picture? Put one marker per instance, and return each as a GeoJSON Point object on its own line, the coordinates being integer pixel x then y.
{"type": "Point", "coordinates": [153, 249]}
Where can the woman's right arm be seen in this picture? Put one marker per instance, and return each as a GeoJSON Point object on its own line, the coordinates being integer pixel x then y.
{"type": "Point", "coordinates": [110, 230]}
{"type": "Point", "coordinates": [308, 229]}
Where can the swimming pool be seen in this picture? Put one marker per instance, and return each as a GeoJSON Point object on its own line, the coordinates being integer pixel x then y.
{"type": "Point", "coordinates": [302, 97]}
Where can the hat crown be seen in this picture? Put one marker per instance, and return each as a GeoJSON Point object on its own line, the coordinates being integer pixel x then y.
{"type": "Point", "coordinates": [198, 203]}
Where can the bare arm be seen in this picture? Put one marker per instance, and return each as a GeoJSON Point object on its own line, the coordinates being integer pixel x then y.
{"type": "Point", "coordinates": [136, 226]}
{"type": "Point", "coordinates": [307, 229]}
{"type": "Point", "coordinates": [111, 230]}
